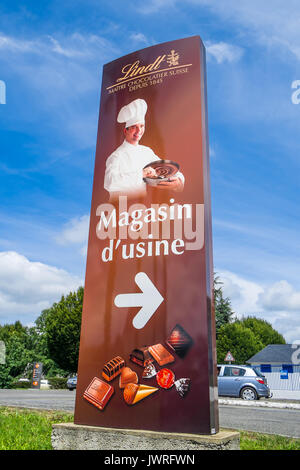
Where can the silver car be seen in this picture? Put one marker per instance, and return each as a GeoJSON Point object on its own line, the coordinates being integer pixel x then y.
{"type": "Point", "coordinates": [243, 382]}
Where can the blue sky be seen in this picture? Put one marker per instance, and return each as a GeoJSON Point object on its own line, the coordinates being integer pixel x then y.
{"type": "Point", "coordinates": [51, 58]}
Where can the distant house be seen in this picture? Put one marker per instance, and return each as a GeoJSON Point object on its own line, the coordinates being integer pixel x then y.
{"type": "Point", "coordinates": [280, 364]}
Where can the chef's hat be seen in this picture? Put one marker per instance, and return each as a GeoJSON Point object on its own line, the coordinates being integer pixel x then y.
{"type": "Point", "coordinates": [133, 113]}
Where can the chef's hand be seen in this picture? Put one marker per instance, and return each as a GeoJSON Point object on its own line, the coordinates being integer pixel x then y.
{"type": "Point", "coordinates": [174, 184]}
{"type": "Point", "coordinates": [149, 172]}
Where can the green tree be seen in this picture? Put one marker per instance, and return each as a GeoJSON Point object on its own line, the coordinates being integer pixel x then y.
{"type": "Point", "coordinates": [16, 353]}
{"type": "Point", "coordinates": [61, 326]}
{"type": "Point", "coordinates": [37, 344]}
{"type": "Point", "coordinates": [263, 330]}
{"type": "Point", "coordinates": [239, 340]}
{"type": "Point", "coordinates": [23, 347]}
{"type": "Point", "coordinates": [223, 310]}
{"type": "Point", "coordinates": [6, 331]}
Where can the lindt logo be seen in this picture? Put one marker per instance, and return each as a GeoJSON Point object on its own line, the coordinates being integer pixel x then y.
{"type": "Point", "coordinates": [136, 69]}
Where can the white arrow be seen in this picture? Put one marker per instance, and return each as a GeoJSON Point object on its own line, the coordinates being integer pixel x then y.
{"type": "Point", "coordinates": [149, 299]}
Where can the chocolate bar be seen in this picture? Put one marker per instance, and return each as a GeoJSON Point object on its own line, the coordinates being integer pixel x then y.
{"type": "Point", "coordinates": [161, 354]}
{"type": "Point", "coordinates": [141, 356]}
{"type": "Point", "coordinates": [113, 368]}
{"type": "Point", "coordinates": [179, 341]}
{"type": "Point", "coordinates": [98, 393]}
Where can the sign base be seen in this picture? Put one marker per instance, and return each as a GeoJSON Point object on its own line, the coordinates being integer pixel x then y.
{"type": "Point", "coordinates": [69, 436]}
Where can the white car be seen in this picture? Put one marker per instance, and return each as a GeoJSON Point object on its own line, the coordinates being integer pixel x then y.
{"type": "Point", "coordinates": [44, 384]}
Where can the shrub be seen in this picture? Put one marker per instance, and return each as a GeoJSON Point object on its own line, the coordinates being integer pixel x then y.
{"type": "Point", "coordinates": [18, 384]}
{"type": "Point", "coordinates": [58, 382]}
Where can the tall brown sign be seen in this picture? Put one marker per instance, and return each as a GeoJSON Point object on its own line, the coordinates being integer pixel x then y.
{"type": "Point", "coordinates": [147, 349]}
{"type": "Point", "coordinates": [37, 375]}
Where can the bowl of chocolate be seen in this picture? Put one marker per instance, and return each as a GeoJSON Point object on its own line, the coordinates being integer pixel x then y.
{"type": "Point", "coordinates": [160, 171]}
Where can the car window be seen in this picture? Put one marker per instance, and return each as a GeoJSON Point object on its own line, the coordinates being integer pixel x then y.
{"type": "Point", "coordinates": [227, 372]}
{"type": "Point", "coordinates": [257, 372]}
{"type": "Point", "coordinates": [238, 372]}
{"type": "Point", "coordinates": [234, 371]}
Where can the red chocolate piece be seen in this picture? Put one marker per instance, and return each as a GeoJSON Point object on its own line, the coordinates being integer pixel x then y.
{"type": "Point", "coordinates": [165, 378]}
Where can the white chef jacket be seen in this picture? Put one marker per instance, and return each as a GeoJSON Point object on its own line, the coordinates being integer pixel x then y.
{"type": "Point", "coordinates": [124, 168]}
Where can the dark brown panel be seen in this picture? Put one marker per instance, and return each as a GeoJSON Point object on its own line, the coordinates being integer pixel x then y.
{"type": "Point", "coordinates": [170, 77]}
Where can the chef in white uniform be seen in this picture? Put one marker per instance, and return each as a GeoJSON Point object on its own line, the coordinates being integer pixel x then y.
{"type": "Point", "coordinates": [124, 167]}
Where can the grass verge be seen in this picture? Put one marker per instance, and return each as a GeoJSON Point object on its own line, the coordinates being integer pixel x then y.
{"type": "Point", "coordinates": [257, 441]}
{"type": "Point", "coordinates": [24, 429]}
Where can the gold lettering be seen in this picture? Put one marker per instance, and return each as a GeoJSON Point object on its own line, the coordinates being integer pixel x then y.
{"type": "Point", "coordinates": [127, 69]}
{"type": "Point", "coordinates": [131, 70]}
{"type": "Point", "coordinates": [148, 68]}
{"type": "Point", "coordinates": [139, 71]}
{"type": "Point", "coordinates": [160, 59]}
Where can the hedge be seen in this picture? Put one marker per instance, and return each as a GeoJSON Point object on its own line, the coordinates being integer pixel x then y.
{"type": "Point", "coordinates": [58, 382]}
{"type": "Point", "coordinates": [17, 384]}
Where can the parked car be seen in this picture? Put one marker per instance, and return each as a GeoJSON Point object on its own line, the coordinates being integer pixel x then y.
{"type": "Point", "coordinates": [243, 382]}
{"type": "Point", "coordinates": [72, 383]}
{"type": "Point", "coordinates": [44, 384]}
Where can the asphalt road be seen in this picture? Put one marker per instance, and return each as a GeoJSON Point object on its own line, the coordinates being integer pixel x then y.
{"type": "Point", "coordinates": [41, 399]}
{"type": "Point", "coordinates": [285, 422]}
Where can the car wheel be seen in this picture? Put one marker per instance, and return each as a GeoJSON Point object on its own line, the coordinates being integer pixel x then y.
{"type": "Point", "coordinates": [248, 393]}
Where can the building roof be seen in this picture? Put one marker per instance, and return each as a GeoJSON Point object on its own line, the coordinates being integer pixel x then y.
{"type": "Point", "coordinates": [275, 354]}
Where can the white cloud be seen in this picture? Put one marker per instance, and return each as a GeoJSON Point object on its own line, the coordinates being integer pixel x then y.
{"type": "Point", "coordinates": [60, 77]}
{"type": "Point", "coordinates": [76, 45]}
{"type": "Point", "coordinates": [281, 296]}
{"type": "Point", "coordinates": [57, 47]}
{"type": "Point", "coordinates": [270, 24]}
{"type": "Point", "coordinates": [242, 293]}
{"type": "Point", "coordinates": [27, 287]}
{"type": "Point", "coordinates": [279, 303]}
{"type": "Point", "coordinates": [223, 52]}
{"type": "Point", "coordinates": [75, 231]}
{"type": "Point", "coordinates": [12, 44]}
{"type": "Point", "coordinates": [139, 38]}
{"type": "Point", "coordinates": [153, 6]}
